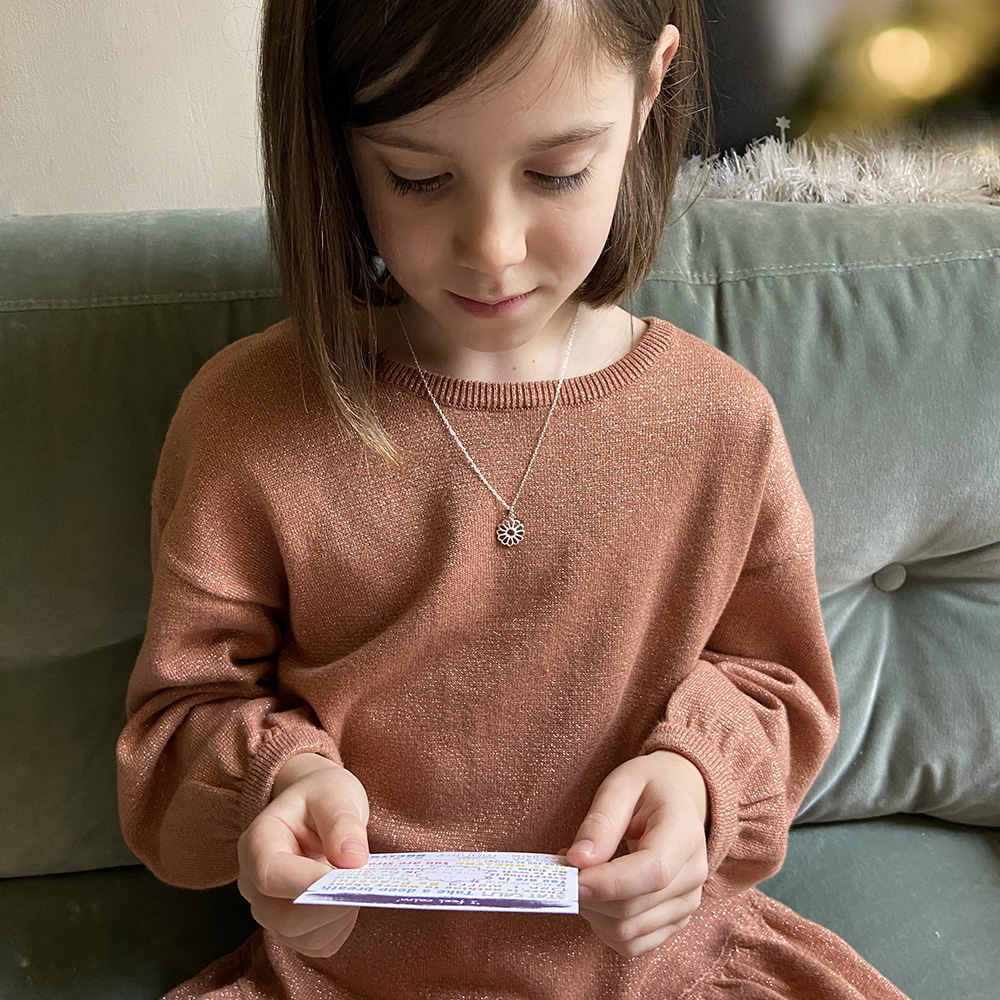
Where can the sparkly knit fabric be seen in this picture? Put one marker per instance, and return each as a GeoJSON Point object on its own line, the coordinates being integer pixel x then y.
{"type": "Point", "coordinates": [308, 597]}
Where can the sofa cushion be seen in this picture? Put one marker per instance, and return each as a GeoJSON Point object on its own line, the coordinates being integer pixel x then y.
{"type": "Point", "coordinates": [918, 898]}
{"type": "Point", "coordinates": [116, 934]}
{"type": "Point", "coordinates": [875, 329]}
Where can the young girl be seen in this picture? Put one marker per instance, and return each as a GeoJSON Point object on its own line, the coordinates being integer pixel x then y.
{"type": "Point", "coordinates": [465, 557]}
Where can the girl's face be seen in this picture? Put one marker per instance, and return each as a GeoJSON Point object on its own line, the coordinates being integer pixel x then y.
{"type": "Point", "coordinates": [491, 206]}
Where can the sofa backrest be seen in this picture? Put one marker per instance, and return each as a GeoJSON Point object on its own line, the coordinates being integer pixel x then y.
{"type": "Point", "coordinates": [877, 330]}
{"type": "Point", "coordinates": [103, 321]}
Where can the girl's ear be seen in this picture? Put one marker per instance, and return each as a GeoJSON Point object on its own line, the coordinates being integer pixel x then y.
{"type": "Point", "coordinates": [663, 55]}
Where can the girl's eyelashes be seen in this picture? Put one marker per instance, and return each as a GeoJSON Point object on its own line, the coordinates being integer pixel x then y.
{"type": "Point", "coordinates": [565, 182]}
{"type": "Point", "coordinates": [550, 182]}
{"type": "Point", "coordinates": [404, 185]}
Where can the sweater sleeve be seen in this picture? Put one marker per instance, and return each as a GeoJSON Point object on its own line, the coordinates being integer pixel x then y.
{"type": "Point", "coordinates": [207, 728]}
{"type": "Point", "coordinates": [758, 712]}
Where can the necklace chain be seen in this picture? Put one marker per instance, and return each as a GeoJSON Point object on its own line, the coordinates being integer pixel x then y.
{"type": "Point", "coordinates": [511, 531]}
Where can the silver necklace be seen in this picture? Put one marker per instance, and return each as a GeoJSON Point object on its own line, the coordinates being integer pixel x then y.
{"type": "Point", "coordinates": [510, 531]}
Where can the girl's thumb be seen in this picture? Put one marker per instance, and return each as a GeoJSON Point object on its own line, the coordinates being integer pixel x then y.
{"type": "Point", "coordinates": [583, 853]}
{"type": "Point", "coordinates": [339, 811]}
{"type": "Point", "coordinates": [345, 838]}
{"type": "Point", "coordinates": [350, 851]}
{"type": "Point", "coordinates": [601, 832]}
{"type": "Point", "coordinates": [594, 844]}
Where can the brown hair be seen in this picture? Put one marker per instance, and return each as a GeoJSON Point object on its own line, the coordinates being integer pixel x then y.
{"type": "Point", "coordinates": [317, 56]}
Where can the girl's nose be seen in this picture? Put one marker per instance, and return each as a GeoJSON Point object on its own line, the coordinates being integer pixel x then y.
{"type": "Point", "coordinates": [490, 236]}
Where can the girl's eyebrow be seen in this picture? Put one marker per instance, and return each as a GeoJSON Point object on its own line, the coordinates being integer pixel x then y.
{"type": "Point", "coordinates": [387, 136]}
{"type": "Point", "coordinates": [582, 133]}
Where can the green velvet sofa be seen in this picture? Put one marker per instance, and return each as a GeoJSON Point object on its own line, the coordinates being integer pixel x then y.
{"type": "Point", "coordinates": [877, 330]}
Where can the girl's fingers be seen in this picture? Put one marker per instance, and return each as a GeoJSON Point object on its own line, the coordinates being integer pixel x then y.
{"type": "Point", "coordinates": [282, 877]}
{"type": "Point", "coordinates": [688, 882]}
{"type": "Point", "coordinates": [657, 804]}
{"type": "Point", "coordinates": [311, 826]}
{"type": "Point", "coordinates": [316, 820]}
{"type": "Point", "coordinates": [666, 855]}
{"type": "Point", "coordinates": [325, 940]}
{"type": "Point", "coordinates": [641, 880]}
{"type": "Point", "coordinates": [666, 785]}
{"type": "Point", "coordinates": [341, 829]}
{"type": "Point", "coordinates": [635, 935]}
{"type": "Point", "coordinates": [331, 805]}
{"type": "Point", "coordinates": [297, 919]}
{"type": "Point", "coordinates": [634, 947]}
{"type": "Point", "coordinates": [271, 862]}
{"type": "Point", "coordinates": [672, 844]}
{"type": "Point", "coordinates": [604, 826]}
{"type": "Point", "coordinates": [667, 913]}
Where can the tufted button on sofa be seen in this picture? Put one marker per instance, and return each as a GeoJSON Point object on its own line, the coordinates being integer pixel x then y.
{"type": "Point", "coordinates": [890, 578]}
{"type": "Point", "coordinates": [877, 331]}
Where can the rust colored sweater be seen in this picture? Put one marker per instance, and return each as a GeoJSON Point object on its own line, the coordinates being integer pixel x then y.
{"type": "Point", "coordinates": [309, 598]}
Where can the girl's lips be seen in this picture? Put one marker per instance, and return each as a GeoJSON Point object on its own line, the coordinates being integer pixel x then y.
{"type": "Point", "coordinates": [491, 310]}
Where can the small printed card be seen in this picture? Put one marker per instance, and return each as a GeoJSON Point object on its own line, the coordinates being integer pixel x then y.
{"type": "Point", "coordinates": [455, 880]}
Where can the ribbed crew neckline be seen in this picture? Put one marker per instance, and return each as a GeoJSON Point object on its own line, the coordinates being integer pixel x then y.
{"type": "Point", "coordinates": [470, 394]}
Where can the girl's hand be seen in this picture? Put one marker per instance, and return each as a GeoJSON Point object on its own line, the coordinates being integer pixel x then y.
{"type": "Point", "coordinates": [658, 805]}
{"type": "Point", "coordinates": [316, 820]}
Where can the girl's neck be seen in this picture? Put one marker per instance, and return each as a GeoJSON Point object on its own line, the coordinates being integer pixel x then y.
{"type": "Point", "coordinates": [603, 336]}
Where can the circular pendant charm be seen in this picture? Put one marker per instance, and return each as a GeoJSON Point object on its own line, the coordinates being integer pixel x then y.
{"type": "Point", "coordinates": [510, 532]}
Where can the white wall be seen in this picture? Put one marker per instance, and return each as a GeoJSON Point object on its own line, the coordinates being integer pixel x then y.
{"type": "Point", "coordinates": [119, 105]}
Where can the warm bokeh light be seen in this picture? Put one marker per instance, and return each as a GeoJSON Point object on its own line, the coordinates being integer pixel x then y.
{"type": "Point", "coordinates": [911, 63]}
{"type": "Point", "coordinates": [894, 65]}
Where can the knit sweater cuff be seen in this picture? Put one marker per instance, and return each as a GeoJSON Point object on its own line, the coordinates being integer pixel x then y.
{"type": "Point", "coordinates": [275, 748]}
{"type": "Point", "coordinates": [723, 792]}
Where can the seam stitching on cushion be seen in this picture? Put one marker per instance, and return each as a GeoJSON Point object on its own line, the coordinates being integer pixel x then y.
{"type": "Point", "coordinates": [785, 270]}
{"type": "Point", "coordinates": [107, 301]}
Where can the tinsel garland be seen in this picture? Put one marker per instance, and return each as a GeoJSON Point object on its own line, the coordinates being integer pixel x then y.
{"type": "Point", "coordinates": [865, 169]}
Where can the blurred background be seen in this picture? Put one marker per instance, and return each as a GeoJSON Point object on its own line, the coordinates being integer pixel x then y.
{"type": "Point", "coordinates": [118, 105]}
{"type": "Point", "coordinates": [840, 66]}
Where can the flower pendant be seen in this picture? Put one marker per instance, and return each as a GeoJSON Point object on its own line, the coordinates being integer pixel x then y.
{"type": "Point", "coordinates": [510, 532]}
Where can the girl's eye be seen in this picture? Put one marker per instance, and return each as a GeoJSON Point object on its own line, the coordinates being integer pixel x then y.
{"type": "Point", "coordinates": [551, 182]}
{"type": "Point", "coordinates": [569, 182]}
{"type": "Point", "coordinates": [406, 185]}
